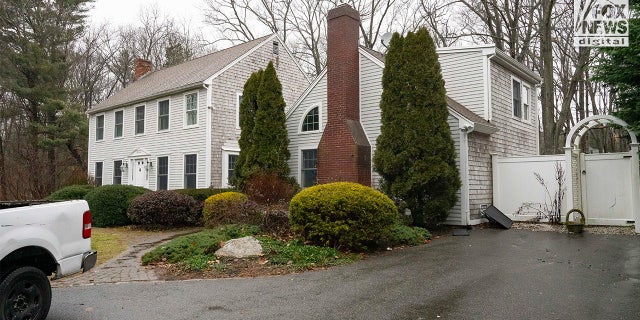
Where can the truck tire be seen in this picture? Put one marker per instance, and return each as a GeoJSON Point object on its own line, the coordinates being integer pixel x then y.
{"type": "Point", "coordinates": [25, 294]}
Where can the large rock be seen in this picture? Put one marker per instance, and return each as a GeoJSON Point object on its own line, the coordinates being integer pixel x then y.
{"type": "Point", "coordinates": [240, 248]}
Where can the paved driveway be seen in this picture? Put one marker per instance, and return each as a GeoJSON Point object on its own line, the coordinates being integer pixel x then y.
{"type": "Point", "coordinates": [492, 274]}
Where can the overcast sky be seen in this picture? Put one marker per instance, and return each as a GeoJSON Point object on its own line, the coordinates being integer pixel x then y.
{"type": "Point", "coordinates": [123, 12]}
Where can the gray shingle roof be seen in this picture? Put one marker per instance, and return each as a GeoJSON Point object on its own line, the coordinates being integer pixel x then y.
{"type": "Point", "coordinates": [187, 75]}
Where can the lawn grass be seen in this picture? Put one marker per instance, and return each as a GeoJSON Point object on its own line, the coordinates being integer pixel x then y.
{"type": "Point", "coordinates": [108, 242]}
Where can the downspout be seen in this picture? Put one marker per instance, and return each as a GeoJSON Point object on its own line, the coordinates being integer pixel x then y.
{"type": "Point", "coordinates": [489, 54]}
{"type": "Point", "coordinates": [464, 170]}
{"type": "Point", "coordinates": [208, 129]}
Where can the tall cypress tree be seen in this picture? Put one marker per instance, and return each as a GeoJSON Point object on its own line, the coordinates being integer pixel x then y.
{"type": "Point", "coordinates": [415, 154]}
{"type": "Point", "coordinates": [263, 140]}
{"type": "Point", "coordinates": [270, 130]}
{"type": "Point", "coordinates": [248, 109]}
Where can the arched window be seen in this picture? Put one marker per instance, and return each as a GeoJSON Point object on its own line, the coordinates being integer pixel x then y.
{"type": "Point", "coordinates": [311, 120]}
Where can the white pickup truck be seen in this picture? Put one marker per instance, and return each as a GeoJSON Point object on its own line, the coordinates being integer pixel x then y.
{"type": "Point", "coordinates": [39, 240]}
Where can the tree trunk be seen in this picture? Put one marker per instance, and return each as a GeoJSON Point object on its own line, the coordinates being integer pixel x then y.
{"type": "Point", "coordinates": [546, 59]}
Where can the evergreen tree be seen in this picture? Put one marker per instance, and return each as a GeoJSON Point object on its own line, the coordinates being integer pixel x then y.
{"type": "Point", "coordinates": [36, 39]}
{"type": "Point", "coordinates": [263, 140]}
{"type": "Point", "coordinates": [270, 149]}
{"type": "Point", "coordinates": [248, 108]}
{"type": "Point", "coordinates": [619, 68]}
{"type": "Point", "coordinates": [415, 154]}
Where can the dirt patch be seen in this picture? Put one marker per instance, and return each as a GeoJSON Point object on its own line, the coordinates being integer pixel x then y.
{"type": "Point", "coordinates": [236, 268]}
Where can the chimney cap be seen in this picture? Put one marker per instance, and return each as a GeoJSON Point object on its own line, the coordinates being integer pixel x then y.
{"type": "Point", "coordinates": [343, 10]}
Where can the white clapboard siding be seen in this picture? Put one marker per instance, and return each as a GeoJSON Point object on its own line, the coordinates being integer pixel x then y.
{"type": "Point", "coordinates": [316, 95]}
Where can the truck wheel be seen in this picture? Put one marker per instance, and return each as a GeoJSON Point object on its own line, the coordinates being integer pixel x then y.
{"type": "Point", "coordinates": [25, 294]}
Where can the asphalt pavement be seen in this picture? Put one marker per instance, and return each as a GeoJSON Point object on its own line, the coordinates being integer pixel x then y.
{"type": "Point", "coordinates": [491, 274]}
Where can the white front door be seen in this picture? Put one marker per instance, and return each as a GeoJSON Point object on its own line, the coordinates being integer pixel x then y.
{"type": "Point", "coordinates": [140, 173]}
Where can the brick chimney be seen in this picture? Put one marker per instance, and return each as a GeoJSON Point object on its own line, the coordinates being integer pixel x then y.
{"type": "Point", "coordinates": [140, 68]}
{"type": "Point", "coordinates": [344, 153]}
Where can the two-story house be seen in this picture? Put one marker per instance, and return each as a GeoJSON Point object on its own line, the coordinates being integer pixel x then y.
{"type": "Point", "coordinates": [178, 127]}
{"type": "Point", "coordinates": [492, 110]}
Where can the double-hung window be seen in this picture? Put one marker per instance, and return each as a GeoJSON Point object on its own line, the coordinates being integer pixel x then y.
{"type": "Point", "coordinates": [309, 169]}
{"type": "Point", "coordinates": [163, 115]}
{"type": "Point", "coordinates": [163, 173]}
{"type": "Point", "coordinates": [190, 171]}
{"type": "Point", "coordinates": [191, 102]}
{"type": "Point", "coordinates": [140, 119]}
{"type": "Point", "coordinates": [118, 124]}
{"type": "Point", "coordinates": [98, 174]}
{"type": "Point", "coordinates": [99, 127]}
{"type": "Point", "coordinates": [117, 172]}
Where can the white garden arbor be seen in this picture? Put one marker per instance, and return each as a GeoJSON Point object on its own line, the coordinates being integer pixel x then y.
{"type": "Point", "coordinates": [605, 187]}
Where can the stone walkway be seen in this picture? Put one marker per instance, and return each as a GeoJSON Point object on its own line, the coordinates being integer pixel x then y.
{"type": "Point", "coordinates": [125, 267]}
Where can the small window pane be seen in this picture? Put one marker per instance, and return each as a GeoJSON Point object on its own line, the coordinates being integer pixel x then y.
{"type": "Point", "coordinates": [163, 173]}
{"type": "Point", "coordinates": [190, 171]}
{"type": "Point", "coordinates": [311, 120]}
{"type": "Point", "coordinates": [517, 100]}
{"type": "Point", "coordinates": [140, 120]}
{"type": "Point", "coordinates": [525, 102]}
{"type": "Point", "coordinates": [117, 172]}
{"type": "Point", "coordinates": [163, 115]}
{"type": "Point", "coordinates": [119, 121]}
{"type": "Point", "coordinates": [309, 167]}
{"type": "Point", "coordinates": [98, 174]}
{"type": "Point", "coordinates": [100, 127]}
{"type": "Point", "coordinates": [233, 158]}
{"type": "Point", "coordinates": [192, 109]}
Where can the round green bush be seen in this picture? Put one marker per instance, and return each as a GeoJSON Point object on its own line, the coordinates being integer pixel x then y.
{"type": "Point", "coordinates": [165, 208]}
{"type": "Point", "coordinates": [74, 192]}
{"type": "Point", "coordinates": [226, 208]}
{"type": "Point", "coordinates": [343, 215]}
{"type": "Point", "coordinates": [109, 204]}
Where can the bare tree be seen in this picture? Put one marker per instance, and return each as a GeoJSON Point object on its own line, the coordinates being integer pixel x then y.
{"type": "Point", "coordinates": [302, 23]}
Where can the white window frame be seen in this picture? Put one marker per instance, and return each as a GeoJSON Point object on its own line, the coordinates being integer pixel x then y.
{"type": "Point", "coordinates": [98, 128]}
{"type": "Point", "coordinates": [168, 171]}
{"type": "Point", "coordinates": [301, 163]}
{"type": "Point", "coordinates": [186, 110]}
{"type": "Point", "coordinates": [238, 100]}
{"type": "Point", "coordinates": [115, 124]}
{"type": "Point", "coordinates": [135, 120]}
{"type": "Point", "coordinates": [225, 166]}
{"type": "Point", "coordinates": [525, 115]}
{"type": "Point", "coordinates": [184, 169]}
{"type": "Point", "coordinates": [304, 116]}
{"type": "Point", "coordinates": [168, 115]}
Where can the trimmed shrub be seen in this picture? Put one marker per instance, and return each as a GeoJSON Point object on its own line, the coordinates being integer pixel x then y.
{"type": "Point", "coordinates": [74, 192]}
{"type": "Point", "coordinates": [343, 215]}
{"type": "Point", "coordinates": [227, 208]}
{"type": "Point", "coordinates": [166, 208]}
{"type": "Point", "coordinates": [401, 234]}
{"type": "Point", "coordinates": [269, 188]}
{"type": "Point", "coordinates": [109, 204]}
